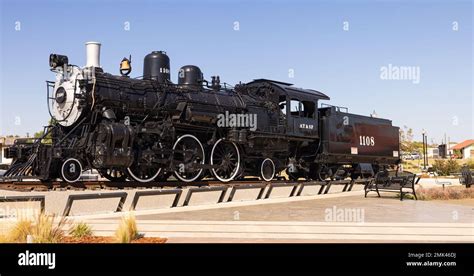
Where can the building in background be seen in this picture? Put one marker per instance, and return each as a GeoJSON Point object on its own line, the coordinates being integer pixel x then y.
{"type": "Point", "coordinates": [451, 146]}
{"type": "Point", "coordinates": [466, 148]}
{"type": "Point", "coordinates": [443, 151]}
{"type": "Point", "coordinates": [446, 151]}
{"type": "Point", "coordinates": [433, 152]}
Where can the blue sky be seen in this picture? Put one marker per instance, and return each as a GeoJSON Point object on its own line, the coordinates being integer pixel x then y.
{"type": "Point", "coordinates": [273, 37]}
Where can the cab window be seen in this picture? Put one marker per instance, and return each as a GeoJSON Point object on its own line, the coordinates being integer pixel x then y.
{"type": "Point", "coordinates": [309, 109]}
{"type": "Point", "coordinates": [304, 109]}
{"type": "Point", "coordinates": [296, 109]}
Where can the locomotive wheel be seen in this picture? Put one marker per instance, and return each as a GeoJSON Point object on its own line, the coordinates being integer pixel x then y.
{"type": "Point", "coordinates": [71, 170]}
{"type": "Point", "coordinates": [324, 172]}
{"type": "Point", "coordinates": [114, 175]}
{"type": "Point", "coordinates": [226, 155]}
{"type": "Point", "coordinates": [267, 169]}
{"type": "Point", "coordinates": [187, 150]}
{"type": "Point", "coordinates": [145, 171]}
{"type": "Point", "coordinates": [142, 172]}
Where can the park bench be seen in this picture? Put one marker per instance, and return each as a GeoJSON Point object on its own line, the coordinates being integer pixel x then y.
{"type": "Point", "coordinates": [466, 177]}
{"type": "Point", "coordinates": [393, 182]}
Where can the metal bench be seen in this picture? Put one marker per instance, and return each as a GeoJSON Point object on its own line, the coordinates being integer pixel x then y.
{"type": "Point", "coordinates": [394, 183]}
{"type": "Point", "coordinates": [466, 177]}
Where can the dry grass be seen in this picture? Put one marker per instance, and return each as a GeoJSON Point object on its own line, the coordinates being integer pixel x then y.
{"type": "Point", "coordinates": [20, 231]}
{"type": "Point", "coordinates": [4, 239]}
{"type": "Point", "coordinates": [127, 230]}
{"type": "Point", "coordinates": [43, 229]}
{"type": "Point", "coordinates": [444, 194]}
{"type": "Point", "coordinates": [47, 229]}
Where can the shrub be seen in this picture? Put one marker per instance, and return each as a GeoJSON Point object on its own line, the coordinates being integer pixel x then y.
{"type": "Point", "coordinates": [446, 167]}
{"type": "Point", "coordinates": [452, 166]}
{"type": "Point", "coordinates": [80, 230]}
{"type": "Point", "coordinates": [470, 164]}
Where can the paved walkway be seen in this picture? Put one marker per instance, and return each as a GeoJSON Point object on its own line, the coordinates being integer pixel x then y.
{"type": "Point", "coordinates": [372, 209]}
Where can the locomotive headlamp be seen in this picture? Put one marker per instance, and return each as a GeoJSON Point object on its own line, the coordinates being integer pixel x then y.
{"type": "Point", "coordinates": [60, 95]}
{"type": "Point", "coordinates": [57, 60]}
{"type": "Point", "coordinates": [126, 66]}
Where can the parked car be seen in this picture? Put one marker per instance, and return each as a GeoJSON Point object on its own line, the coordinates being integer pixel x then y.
{"type": "Point", "coordinates": [415, 156]}
{"type": "Point", "coordinates": [406, 156]}
{"type": "Point", "coordinates": [411, 156]}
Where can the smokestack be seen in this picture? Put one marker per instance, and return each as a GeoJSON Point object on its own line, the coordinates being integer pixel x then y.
{"type": "Point", "coordinates": [93, 54]}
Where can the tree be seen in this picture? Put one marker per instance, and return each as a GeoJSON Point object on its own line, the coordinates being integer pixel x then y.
{"type": "Point", "coordinates": [406, 139]}
{"type": "Point", "coordinates": [47, 138]}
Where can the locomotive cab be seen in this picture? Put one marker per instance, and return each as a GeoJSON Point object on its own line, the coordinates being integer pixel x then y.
{"type": "Point", "coordinates": [302, 113]}
{"type": "Point", "coordinates": [297, 109]}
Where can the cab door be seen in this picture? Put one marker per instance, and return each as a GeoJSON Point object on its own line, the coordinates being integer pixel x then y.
{"type": "Point", "coordinates": [303, 117]}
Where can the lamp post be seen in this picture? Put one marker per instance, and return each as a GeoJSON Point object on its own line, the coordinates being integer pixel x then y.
{"type": "Point", "coordinates": [426, 150]}
{"type": "Point", "coordinates": [423, 132]}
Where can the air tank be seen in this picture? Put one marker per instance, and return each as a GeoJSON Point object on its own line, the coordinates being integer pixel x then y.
{"type": "Point", "coordinates": [156, 66]}
{"type": "Point", "coordinates": [190, 75]}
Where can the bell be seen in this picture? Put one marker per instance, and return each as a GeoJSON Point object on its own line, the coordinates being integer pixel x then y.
{"type": "Point", "coordinates": [125, 66]}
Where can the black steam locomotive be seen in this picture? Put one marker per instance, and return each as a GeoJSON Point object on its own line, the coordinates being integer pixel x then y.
{"type": "Point", "coordinates": [149, 129]}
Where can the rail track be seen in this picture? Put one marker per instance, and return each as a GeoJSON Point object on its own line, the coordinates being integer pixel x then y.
{"type": "Point", "coordinates": [34, 185]}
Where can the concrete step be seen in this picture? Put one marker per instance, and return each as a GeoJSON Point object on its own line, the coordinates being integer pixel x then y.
{"type": "Point", "coordinates": [452, 232]}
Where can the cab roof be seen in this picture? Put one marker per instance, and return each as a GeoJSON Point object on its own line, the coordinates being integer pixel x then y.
{"type": "Point", "coordinates": [294, 91]}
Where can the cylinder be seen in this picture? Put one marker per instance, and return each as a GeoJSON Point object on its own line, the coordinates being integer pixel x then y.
{"type": "Point", "coordinates": [93, 54]}
{"type": "Point", "coordinates": [190, 75]}
{"type": "Point", "coordinates": [156, 66]}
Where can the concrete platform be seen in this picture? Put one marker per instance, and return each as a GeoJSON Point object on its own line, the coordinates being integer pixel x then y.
{"type": "Point", "coordinates": [333, 217]}
{"type": "Point", "coordinates": [306, 219]}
